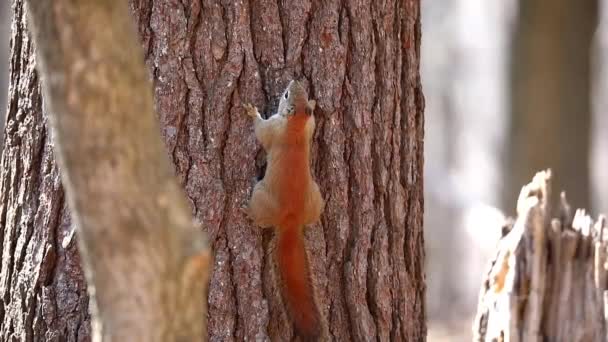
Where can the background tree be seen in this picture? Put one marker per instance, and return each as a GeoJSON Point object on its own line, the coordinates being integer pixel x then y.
{"type": "Point", "coordinates": [551, 96]}
{"type": "Point", "coordinates": [361, 60]}
{"type": "Point", "coordinates": [464, 78]}
{"type": "Point", "coordinates": [599, 123]}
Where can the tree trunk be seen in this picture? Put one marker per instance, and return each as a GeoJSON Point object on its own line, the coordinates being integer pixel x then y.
{"type": "Point", "coordinates": [146, 261]}
{"type": "Point", "coordinates": [599, 123]}
{"type": "Point", "coordinates": [547, 281]}
{"type": "Point", "coordinates": [361, 60]}
{"type": "Point", "coordinates": [551, 97]}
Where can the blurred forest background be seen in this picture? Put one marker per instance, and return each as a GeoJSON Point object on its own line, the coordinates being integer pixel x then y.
{"type": "Point", "coordinates": [511, 87]}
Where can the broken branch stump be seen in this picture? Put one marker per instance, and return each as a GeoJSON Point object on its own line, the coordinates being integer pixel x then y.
{"type": "Point", "coordinates": [547, 281]}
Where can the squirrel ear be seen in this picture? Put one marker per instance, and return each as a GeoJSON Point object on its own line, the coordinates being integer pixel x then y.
{"type": "Point", "coordinates": [310, 108]}
{"type": "Point", "coordinates": [312, 104]}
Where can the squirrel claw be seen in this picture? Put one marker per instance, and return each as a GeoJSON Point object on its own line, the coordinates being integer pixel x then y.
{"type": "Point", "coordinates": [250, 110]}
{"type": "Point", "coordinates": [244, 208]}
{"type": "Point", "coordinates": [245, 211]}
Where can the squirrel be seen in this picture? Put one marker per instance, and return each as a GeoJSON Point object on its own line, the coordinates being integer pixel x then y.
{"type": "Point", "coordinates": [287, 198]}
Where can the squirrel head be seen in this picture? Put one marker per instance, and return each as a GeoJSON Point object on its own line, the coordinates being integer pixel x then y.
{"type": "Point", "coordinates": [294, 101]}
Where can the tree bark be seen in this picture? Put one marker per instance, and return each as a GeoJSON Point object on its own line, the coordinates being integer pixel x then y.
{"type": "Point", "coordinates": [547, 281]}
{"type": "Point", "coordinates": [361, 60]}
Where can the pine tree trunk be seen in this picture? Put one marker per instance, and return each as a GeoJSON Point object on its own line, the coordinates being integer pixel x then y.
{"type": "Point", "coordinates": [361, 60]}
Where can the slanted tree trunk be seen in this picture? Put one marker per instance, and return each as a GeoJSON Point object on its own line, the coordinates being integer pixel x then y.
{"type": "Point", "coordinates": [548, 279]}
{"type": "Point", "coordinates": [146, 262]}
{"type": "Point", "coordinates": [206, 58]}
{"type": "Point", "coordinates": [42, 287]}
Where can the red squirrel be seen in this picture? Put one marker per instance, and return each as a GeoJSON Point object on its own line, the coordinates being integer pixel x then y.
{"type": "Point", "coordinates": [288, 198]}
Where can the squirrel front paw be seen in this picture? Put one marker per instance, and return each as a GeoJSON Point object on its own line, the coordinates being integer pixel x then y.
{"type": "Point", "coordinates": [244, 209]}
{"type": "Point", "coordinates": [250, 110]}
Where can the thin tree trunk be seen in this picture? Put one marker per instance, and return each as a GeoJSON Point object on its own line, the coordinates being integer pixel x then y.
{"type": "Point", "coordinates": [361, 60]}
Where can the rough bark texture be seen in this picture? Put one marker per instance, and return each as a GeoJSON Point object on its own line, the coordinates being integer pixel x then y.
{"type": "Point", "coordinates": [361, 60]}
{"type": "Point", "coordinates": [551, 95]}
{"type": "Point", "coordinates": [548, 279]}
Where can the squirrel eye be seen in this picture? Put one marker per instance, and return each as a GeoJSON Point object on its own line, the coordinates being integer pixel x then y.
{"type": "Point", "coordinates": [286, 94]}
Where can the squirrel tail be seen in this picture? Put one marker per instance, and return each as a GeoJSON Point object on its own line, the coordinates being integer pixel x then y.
{"type": "Point", "coordinates": [297, 289]}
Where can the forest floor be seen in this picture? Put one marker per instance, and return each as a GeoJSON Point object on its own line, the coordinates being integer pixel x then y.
{"type": "Point", "coordinates": [459, 331]}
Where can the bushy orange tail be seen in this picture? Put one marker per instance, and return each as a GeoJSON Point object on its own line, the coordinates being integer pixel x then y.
{"type": "Point", "coordinates": [297, 290]}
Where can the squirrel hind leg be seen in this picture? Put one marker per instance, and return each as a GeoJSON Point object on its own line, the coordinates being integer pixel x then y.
{"type": "Point", "coordinates": [261, 172]}
{"type": "Point", "coordinates": [315, 205]}
{"type": "Point", "coordinates": [262, 208]}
